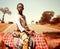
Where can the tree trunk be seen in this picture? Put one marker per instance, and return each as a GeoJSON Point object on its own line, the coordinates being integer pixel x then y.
{"type": "Point", "coordinates": [3, 18]}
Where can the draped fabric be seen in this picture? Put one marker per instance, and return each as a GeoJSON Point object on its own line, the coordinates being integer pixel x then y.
{"type": "Point", "coordinates": [8, 40]}
{"type": "Point", "coordinates": [38, 38]}
{"type": "Point", "coordinates": [40, 41]}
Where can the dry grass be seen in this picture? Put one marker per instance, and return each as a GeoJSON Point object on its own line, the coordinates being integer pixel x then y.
{"type": "Point", "coordinates": [3, 26]}
{"type": "Point", "coordinates": [57, 26]}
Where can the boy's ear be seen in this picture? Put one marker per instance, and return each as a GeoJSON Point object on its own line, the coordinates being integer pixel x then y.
{"type": "Point", "coordinates": [23, 8]}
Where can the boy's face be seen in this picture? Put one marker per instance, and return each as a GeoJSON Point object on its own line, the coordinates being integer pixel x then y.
{"type": "Point", "coordinates": [20, 8]}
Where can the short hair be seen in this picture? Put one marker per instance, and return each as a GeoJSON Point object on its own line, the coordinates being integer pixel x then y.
{"type": "Point", "coordinates": [20, 4]}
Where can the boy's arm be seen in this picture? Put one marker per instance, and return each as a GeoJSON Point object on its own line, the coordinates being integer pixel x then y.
{"type": "Point", "coordinates": [19, 24]}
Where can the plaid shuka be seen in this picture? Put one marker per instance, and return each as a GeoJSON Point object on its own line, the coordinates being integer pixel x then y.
{"type": "Point", "coordinates": [8, 40]}
{"type": "Point", "coordinates": [40, 41]}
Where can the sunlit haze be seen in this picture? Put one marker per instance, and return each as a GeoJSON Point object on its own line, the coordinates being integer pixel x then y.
{"type": "Point", "coordinates": [33, 9]}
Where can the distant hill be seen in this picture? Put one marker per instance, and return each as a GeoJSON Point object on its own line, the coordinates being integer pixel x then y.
{"type": "Point", "coordinates": [56, 26]}
{"type": "Point", "coordinates": [43, 28]}
{"type": "Point", "coordinates": [3, 26]}
{"type": "Point", "coordinates": [36, 27]}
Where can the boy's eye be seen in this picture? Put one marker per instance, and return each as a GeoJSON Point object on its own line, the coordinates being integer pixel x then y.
{"type": "Point", "coordinates": [20, 7]}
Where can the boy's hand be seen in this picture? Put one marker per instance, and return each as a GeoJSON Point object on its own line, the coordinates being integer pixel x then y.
{"type": "Point", "coordinates": [29, 32]}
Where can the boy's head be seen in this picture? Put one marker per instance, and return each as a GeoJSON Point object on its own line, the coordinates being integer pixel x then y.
{"type": "Point", "coordinates": [20, 7]}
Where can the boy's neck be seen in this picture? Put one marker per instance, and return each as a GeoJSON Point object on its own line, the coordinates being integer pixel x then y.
{"type": "Point", "coordinates": [21, 13]}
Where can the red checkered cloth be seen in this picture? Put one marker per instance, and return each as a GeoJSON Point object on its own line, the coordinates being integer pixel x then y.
{"type": "Point", "coordinates": [8, 40]}
{"type": "Point", "coordinates": [40, 41]}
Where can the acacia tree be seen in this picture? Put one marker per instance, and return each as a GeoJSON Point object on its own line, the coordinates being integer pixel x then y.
{"type": "Point", "coordinates": [56, 20]}
{"type": "Point", "coordinates": [46, 16]}
{"type": "Point", "coordinates": [4, 11]}
{"type": "Point", "coordinates": [32, 21]}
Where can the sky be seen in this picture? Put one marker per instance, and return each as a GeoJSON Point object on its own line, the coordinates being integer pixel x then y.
{"type": "Point", "coordinates": [33, 9]}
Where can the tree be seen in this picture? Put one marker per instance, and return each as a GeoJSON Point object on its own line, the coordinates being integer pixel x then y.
{"type": "Point", "coordinates": [4, 11]}
{"type": "Point", "coordinates": [32, 21]}
{"type": "Point", "coordinates": [56, 20]}
{"type": "Point", "coordinates": [46, 16]}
